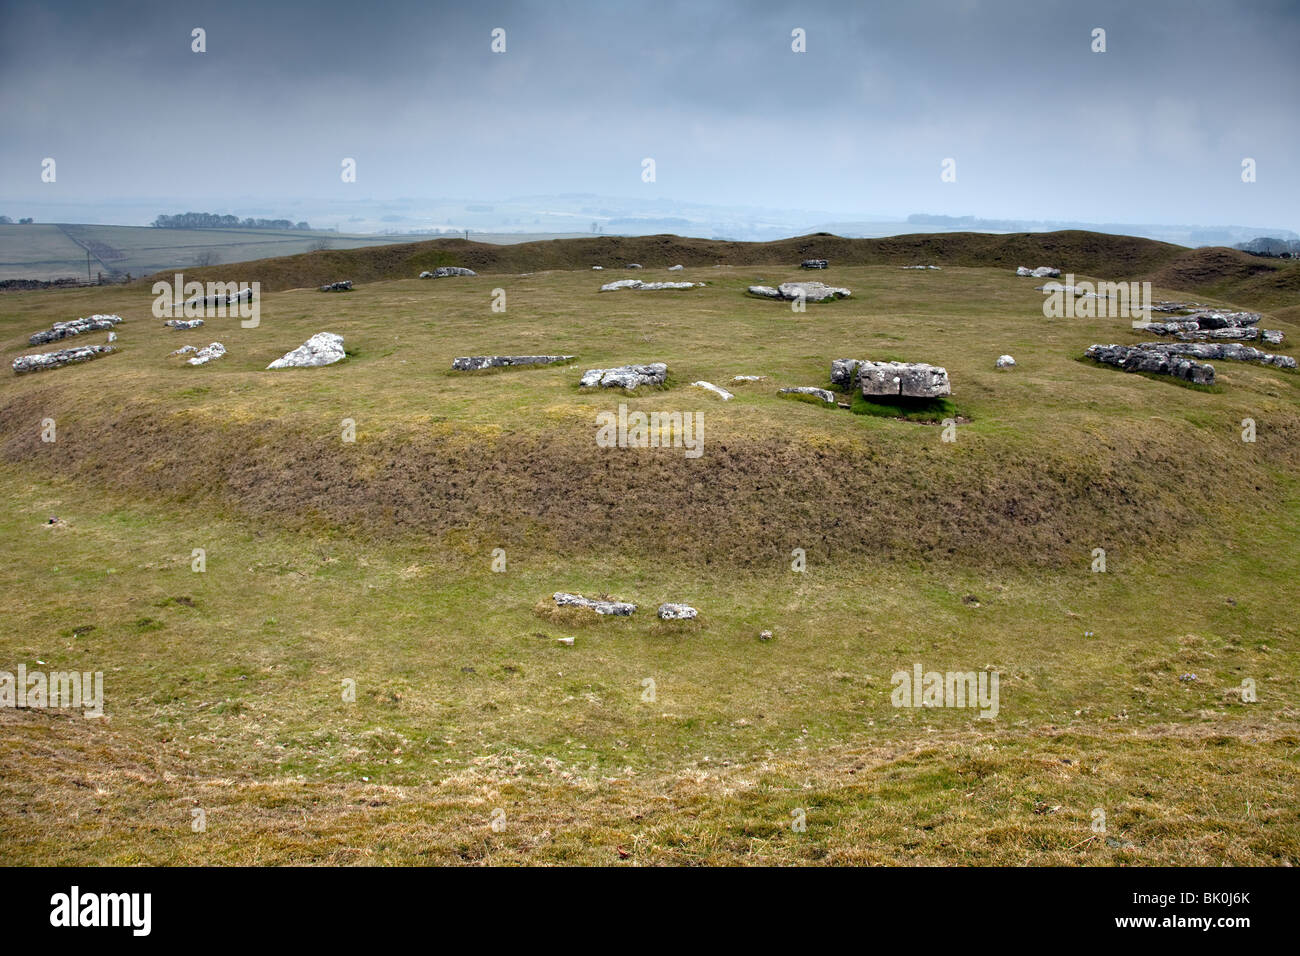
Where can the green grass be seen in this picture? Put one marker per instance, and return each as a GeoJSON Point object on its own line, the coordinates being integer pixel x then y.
{"type": "Point", "coordinates": [372, 563]}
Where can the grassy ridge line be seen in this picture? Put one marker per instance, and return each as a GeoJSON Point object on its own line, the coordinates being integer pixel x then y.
{"type": "Point", "coordinates": [1248, 280]}
{"type": "Point", "coordinates": [992, 501]}
{"type": "Point", "coordinates": [1057, 454]}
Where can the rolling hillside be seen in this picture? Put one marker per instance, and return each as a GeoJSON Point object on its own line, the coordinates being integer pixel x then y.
{"type": "Point", "coordinates": [372, 562]}
{"type": "Point", "coordinates": [1225, 273]}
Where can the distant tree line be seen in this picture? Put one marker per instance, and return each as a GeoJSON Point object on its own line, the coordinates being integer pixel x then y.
{"type": "Point", "coordinates": [209, 220]}
{"type": "Point", "coordinates": [1265, 246]}
{"type": "Point", "coordinates": [6, 221]}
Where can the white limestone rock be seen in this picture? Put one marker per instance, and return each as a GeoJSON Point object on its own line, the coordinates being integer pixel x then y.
{"type": "Point", "coordinates": [810, 291]}
{"type": "Point", "coordinates": [625, 376]}
{"type": "Point", "coordinates": [473, 363]}
{"type": "Point", "coordinates": [1005, 361]}
{"type": "Point", "coordinates": [63, 330]}
{"type": "Point", "coordinates": [677, 612]}
{"type": "Point", "coordinates": [57, 359]}
{"type": "Point", "coordinates": [821, 393]}
{"type": "Point", "coordinates": [904, 379]}
{"type": "Point", "coordinates": [323, 348]}
{"type": "Point", "coordinates": [722, 393]}
{"type": "Point", "coordinates": [208, 353]}
{"type": "Point", "coordinates": [614, 608]}
{"type": "Point", "coordinates": [647, 286]}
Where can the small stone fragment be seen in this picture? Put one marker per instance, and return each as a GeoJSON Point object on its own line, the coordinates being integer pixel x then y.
{"type": "Point", "coordinates": [676, 612]}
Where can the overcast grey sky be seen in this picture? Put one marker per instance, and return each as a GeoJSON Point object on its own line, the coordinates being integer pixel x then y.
{"type": "Point", "coordinates": [1153, 130]}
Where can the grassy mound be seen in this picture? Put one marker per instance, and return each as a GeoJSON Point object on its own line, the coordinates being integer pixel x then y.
{"type": "Point", "coordinates": [866, 545]}
{"type": "Point", "coordinates": [1247, 280]}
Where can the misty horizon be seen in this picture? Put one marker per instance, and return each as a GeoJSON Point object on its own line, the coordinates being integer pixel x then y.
{"type": "Point", "coordinates": [1010, 99]}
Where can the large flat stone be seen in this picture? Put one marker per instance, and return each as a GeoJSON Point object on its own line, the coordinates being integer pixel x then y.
{"type": "Point", "coordinates": [443, 272]}
{"type": "Point", "coordinates": [323, 348]}
{"type": "Point", "coordinates": [625, 376]}
{"type": "Point", "coordinates": [905, 379]}
{"type": "Point", "coordinates": [1134, 359]}
{"type": "Point", "coordinates": [614, 608]}
{"type": "Point", "coordinates": [48, 360]}
{"type": "Point", "coordinates": [472, 363]}
{"type": "Point", "coordinates": [1230, 351]}
{"type": "Point", "coordinates": [63, 330]}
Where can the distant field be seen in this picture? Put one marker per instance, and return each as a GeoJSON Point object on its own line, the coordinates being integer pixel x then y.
{"type": "Point", "coordinates": [55, 251]}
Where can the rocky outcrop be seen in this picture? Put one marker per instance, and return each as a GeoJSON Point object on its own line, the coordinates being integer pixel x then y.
{"type": "Point", "coordinates": [1227, 351]}
{"type": "Point", "coordinates": [182, 324]}
{"type": "Point", "coordinates": [472, 363]}
{"type": "Point", "coordinates": [676, 268]}
{"type": "Point", "coordinates": [749, 378]}
{"type": "Point", "coordinates": [48, 360]}
{"type": "Point", "coordinates": [646, 286]}
{"type": "Point", "coordinates": [64, 330]}
{"type": "Point", "coordinates": [1005, 361]}
{"type": "Point", "coordinates": [344, 286]}
{"type": "Point", "coordinates": [722, 393]}
{"type": "Point", "coordinates": [821, 393]}
{"type": "Point", "coordinates": [443, 272]}
{"type": "Point", "coordinates": [323, 348]}
{"type": "Point", "coordinates": [1132, 358]}
{"type": "Point", "coordinates": [625, 376]}
{"type": "Point", "coordinates": [809, 291]}
{"type": "Point", "coordinates": [677, 612]}
{"type": "Point", "coordinates": [615, 608]}
{"type": "Point", "coordinates": [814, 264]}
{"type": "Point", "coordinates": [1191, 332]}
{"type": "Point", "coordinates": [1042, 272]}
{"type": "Point", "coordinates": [935, 268]}
{"type": "Point", "coordinates": [633, 265]}
{"type": "Point", "coordinates": [905, 379]}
